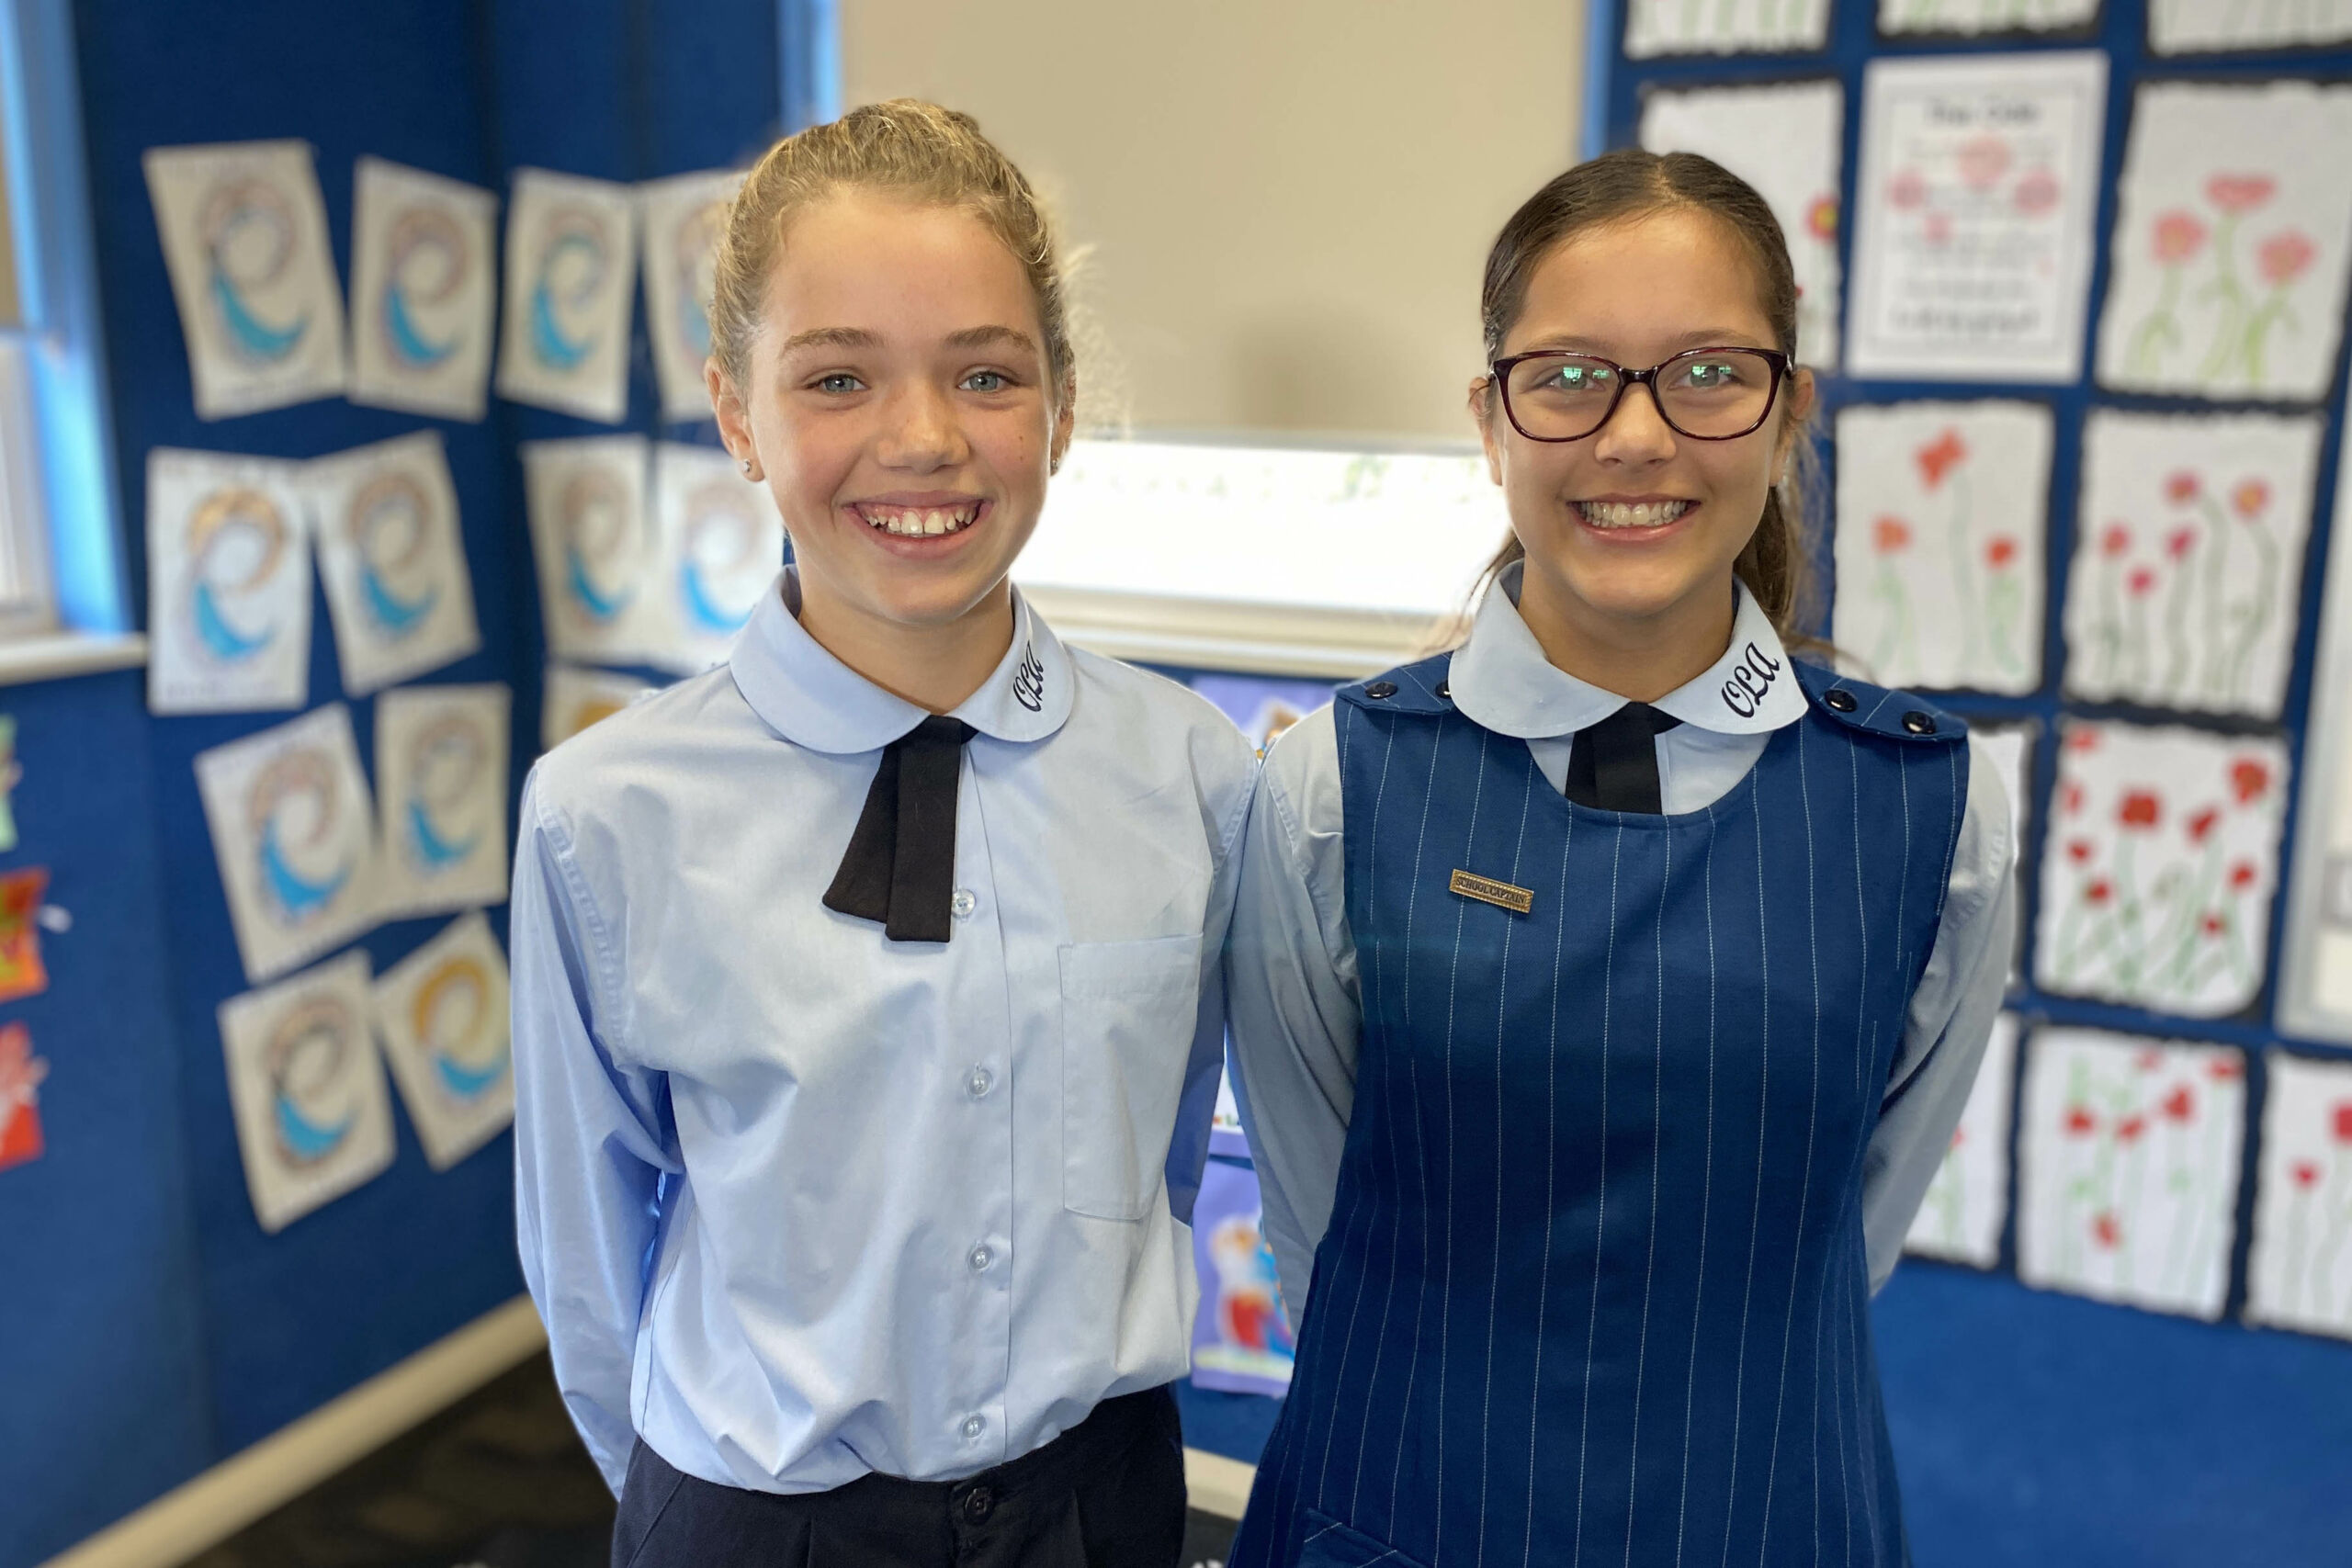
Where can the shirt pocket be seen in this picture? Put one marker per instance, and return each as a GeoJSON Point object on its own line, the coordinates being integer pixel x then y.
{"type": "Point", "coordinates": [1128, 1010]}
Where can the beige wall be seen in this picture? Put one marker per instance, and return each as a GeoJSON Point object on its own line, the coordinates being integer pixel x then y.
{"type": "Point", "coordinates": [1288, 201]}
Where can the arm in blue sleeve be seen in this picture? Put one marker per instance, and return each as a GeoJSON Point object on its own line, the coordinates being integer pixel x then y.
{"type": "Point", "coordinates": [591, 1140]}
{"type": "Point", "coordinates": [1188, 1150]}
{"type": "Point", "coordinates": [1952, 1017]}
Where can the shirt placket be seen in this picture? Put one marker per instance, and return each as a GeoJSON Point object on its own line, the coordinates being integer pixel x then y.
{"type": "Point", "coordinates": [980, 1015]}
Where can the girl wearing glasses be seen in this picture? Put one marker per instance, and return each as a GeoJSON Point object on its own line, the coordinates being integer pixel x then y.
{"type": "Point", "coordinates": [1605, 993]}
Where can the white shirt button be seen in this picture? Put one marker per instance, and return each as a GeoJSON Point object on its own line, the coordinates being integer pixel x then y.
{"type": "Point", "coordinates": [963, 902]}
{"type": "Point", "coordinates": [973, 1427]}
{"type": "Point", "coordinates": [979, 1082]}
{"type": "Point", "coordinates": [980, 1258]}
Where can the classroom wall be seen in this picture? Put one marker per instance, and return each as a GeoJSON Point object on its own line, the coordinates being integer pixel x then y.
{"type": "Point", "coordinates": [151, 1328]}
{"type": "Point", "coordinates": [1283, 208]}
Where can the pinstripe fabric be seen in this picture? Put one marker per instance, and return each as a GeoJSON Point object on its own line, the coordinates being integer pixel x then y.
{"type": "Point", "coordinates": [1594, 1289]}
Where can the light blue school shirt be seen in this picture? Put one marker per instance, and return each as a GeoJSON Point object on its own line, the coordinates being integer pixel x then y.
{"type": "Point", "coordinates": [1291, 971]}
{"type": "Point", "coordinates": [798, 1202]}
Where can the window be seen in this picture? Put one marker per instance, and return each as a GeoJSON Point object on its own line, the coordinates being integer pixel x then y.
{"type": "Point", "coordinates": [25, 601]}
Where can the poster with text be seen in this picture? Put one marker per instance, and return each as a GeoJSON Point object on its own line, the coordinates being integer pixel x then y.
{"type": "Point", "coordinates": [718, 546]}
{"type": "Point", "coordinates": [1972, 248]}
{"type": "Point", "coordinates": [594, 546]}
{"type": "Point", "coordinates": [228, 583]}
{"type": "Point", "coordinates": [571, 699]}
{"type": "Point", "coordinates": [2128, 1168]}
{"type": "Point", "coordinates": [392, 560]}
{"type": "Point", "coordinates": [2232, 223]}
{"type": "Point", "coordinates": [423, 291]}
{"type": "Point", "coordinates": [2298, 1273]}
{"type": "Point", "coordinates": [685, 216]}
{"type": "Point", "coordinates": [245, 240]}
{"type": "Point", "coordinates": [441, 796]}
{"type": "Point", "coordinates": [2315, 977]}
{"type": "Point", "coordinates": [2188, 560]}
{"type": "Point", "coordinates": [2158, 867]}
{"type": "Point", "coordinates": [1977, 18]}
{"type": "Point", "coordinates": [570, 277]}
{"type": "Point", "coordinates": [293, 831]}
{"type": "Point", "coordinates": [1654, 28]}
{"type": "Point", "coordinates": [442, 1015]}
{"type": "Point", "coordinates": [1968, 1202]}
{"type": "Point", "coordinates": [1786, 140]}
{"type": "Point", "coordinates": [1941, 512]}
{"type": "Point", "coordinates": [2211, 27]}
{"type": "Point", "coordinates": [314, 1117]}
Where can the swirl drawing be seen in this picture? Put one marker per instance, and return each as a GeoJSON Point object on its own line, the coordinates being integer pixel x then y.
{"type": "Point", "coordinates": [719, 547]}
{"type": "Point", "coordinates": [597, 520]}
{"type": "Point", "coordinates": [248, 237]}
{"type": "Point", "coordinates": [313, 1092]}
{"type": "Point", "coordinates": [573, 262]}
{"type": "Point", "coordinates": [425, 265]}
{"type": "Point", "coordinates": [389, 525]}
{"type": "Point", "coordinates": [235, 541]}
{"type": "Point", "coordinates": [294, 811]}
{"type": "Point", "coordinates": [445, 762]}
{"type": "Point", "coordinates": [460, 1029]}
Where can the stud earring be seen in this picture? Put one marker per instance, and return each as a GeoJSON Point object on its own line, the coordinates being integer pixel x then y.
{"type": "Point", "coordinates": [746, 466]}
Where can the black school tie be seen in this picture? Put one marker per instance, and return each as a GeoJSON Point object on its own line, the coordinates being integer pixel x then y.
{"type": "Point", "coordinates": [1614, 764]}
{"type": "Point", "coordinates": [901, 868]}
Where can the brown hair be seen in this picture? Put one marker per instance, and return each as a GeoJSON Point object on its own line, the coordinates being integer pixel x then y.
{"type": "Point", "coordinates": [1625, 186]}
{"type": "Point", "coordinates": [905, 146]}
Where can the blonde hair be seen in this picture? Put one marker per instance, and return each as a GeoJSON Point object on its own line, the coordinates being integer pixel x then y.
{"type": "Point", "coordinates": [905, 146]}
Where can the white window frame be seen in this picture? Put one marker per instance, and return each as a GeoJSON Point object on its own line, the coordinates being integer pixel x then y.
{"type": "Point", "coordinates": [27, 595]}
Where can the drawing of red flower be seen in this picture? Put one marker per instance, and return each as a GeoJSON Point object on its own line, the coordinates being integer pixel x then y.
{"type": "Point", "coordinates": [2213, 925]}
{"type": "Point", "coordinates": [2149, 1060]}
{"type": "Point", "coordinates": [2079, 852]}
{"type": "Point", "coordinates": [2240, 194]}
{"type": "Point", "coordinates": [2179, 542]}
{"type": "Point", "coordinates": [1999, 552]}
{"type": "Point", "coordinates": [1821, 217]}
{"type": "Point", "coordinates": [21, 1072]}
{"type": "Point", "coordinates": [2243, 875]}
{"type": "Point", "coordinates": [2142, 579]}
{"type": "Point", "coordinates": [2221, 1069]}
{"type": "Point", "coordinates": [2129, 1128]}
{"type": "Point", "coordinates": [2115, 539]}
{"type": "Point", "coordinates": [1891, 534]}
{"type": "Point", "coordinates": [2249, 779]}
{"type": "Point", "coordinates": [2202, 824]}
{"type": "Point", "coordinates": [2080, 1122]}
{"type": "Point", "coordinates": [2286, 257]}
{"type": "Point", "coordinates": [1983, 160]}
{"type": "Point", "coordinates": [2182, 488]}
{"type": "Point", "coordinates": [2099, 892]}
{"type": "Point", "coordinates": [2141, 808]}
{"type": "Point", "coordinates": [2306, 1174]}
{"type": "Point", "coordinates": [2344, 1120]}
{"type": "Point", "coordinates": [2179, 236]}
{"type": "Point", "coordinates": [1937, 459]}
{"type": "Point", "coordinates": [2105, 1229]}
{"type": "Point", "coordinates": [1906, 190]}
{"type": "Point", "coordinates": [2081, 737]}
{"type": "Point", "coordinates": [2250, 497]}
{"type": "Point", "coordinates": [2180, 1104]}
{"type": "Point", "coordinates": [1958, 1135]}
{"type": "Point", "coordinates": [2036, 193]}
{"type": "Point", "coordinates": [2074, 802]}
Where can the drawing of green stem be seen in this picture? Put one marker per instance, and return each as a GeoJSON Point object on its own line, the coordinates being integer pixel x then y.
{"type": "Point", "coordinates": [2217, 587]}
{"type": "Point", "coordinates": [2109, 632]}
{"type": "Point", "coordinates": [2159, 329]}
{"type": "Point", "coordinates": [1963, 549]}
{"type": "Point", "coordinates": [2274, 313]}
{"type": "Point", "coordinates": [1896, 640]}
{"type": "Point", "coordinates": [2004, 604]}
{"type": "Point", "coordinates": [2255, 612]}
{"type": "Point", "coordinates": [2176, 643]}
{"type": "Point", "coordinates": [2229, 294]}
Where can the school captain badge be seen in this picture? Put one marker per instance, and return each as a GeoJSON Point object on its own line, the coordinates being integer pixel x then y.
{"type": "Point", "coordinates": [1486, 891]}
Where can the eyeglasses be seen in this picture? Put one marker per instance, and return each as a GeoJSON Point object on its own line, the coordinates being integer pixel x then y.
{"type": "Point", "coordinates": [1707, 394]}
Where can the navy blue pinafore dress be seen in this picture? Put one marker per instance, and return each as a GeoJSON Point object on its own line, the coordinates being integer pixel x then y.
{"type": "Point", "coordinates": [1594, 1290]}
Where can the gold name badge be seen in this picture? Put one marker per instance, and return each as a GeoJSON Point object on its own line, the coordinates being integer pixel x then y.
{"type": "Point", "coordinates": [1486, 891]}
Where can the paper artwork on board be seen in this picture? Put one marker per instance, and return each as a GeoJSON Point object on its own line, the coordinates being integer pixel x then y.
{"type": "Point", "coordinates": [1972, 245]}
{"type": "Point", "coordinates": [2188, 560]}
{"type": "Point", "coordinates": [718, 547]}
{"type": "Point", "coordinates": [423, 291]}
{"type": "Point", "coordinates": [1788, 141]}
{"type": "Point", "coordinates": [684, 218]}
{"type": "Point", "coordinates": [2158, 866]}
{"type": "Point", "coordinates": [228, 583]}
{"type": "Point", "coordinates": [22, 973]}
{"type": "Point", "coordinates": [21, 1076]}
{"type": "Point", "coordinates": [1724, 27]}
{"type": "Point", "coordinates": [12, 774]}
{"type": "Point", "coordinates": [2299, 1273]}
{"type": "Point", "coordinates": [1968, 1202]}
{"type": "Point", "coordinates": [1242, 1337]}
{"type": "Point", "coordinates": [245, 240]}
{"type": "Point", "coordinates": [1941, 512]}
{"type": "Point", "coordinates": [593, 545]}
{"type": "Point", "coordinates": [2211, 27]}
{"type": "Point", "coordinates": [1976, 19]}
{"type": "Point", "coordinates": [314, 1117]}
{"type": "Point", "coordinates": [441, 777]}
{"type": "Point", "coordinates": [292, 829]}
{"type": "Point", "coordinates": [2315, 968]}
{"type": "Point", "coordinates": [570, 277]}
{"type": "Point", "coordinates": [2128, 1168]}
{"type": "Point", "coordinates": [442, 1015]}
{"type": "Point", "coordinates": [571, 699]}
{"type": "Point", "coordinates": [392, 559]}
{"type": "Point", "coordinates": [2232, 223]}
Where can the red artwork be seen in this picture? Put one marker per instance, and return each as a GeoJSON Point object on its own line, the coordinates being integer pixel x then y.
{"type": "Point", "coordinates": [21, 971]}
{"type": "Point", "coordinates": [21, 1073]}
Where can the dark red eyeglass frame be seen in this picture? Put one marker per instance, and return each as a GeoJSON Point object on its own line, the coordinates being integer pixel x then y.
{"type": "Point", "coordinates": [1781, 364]}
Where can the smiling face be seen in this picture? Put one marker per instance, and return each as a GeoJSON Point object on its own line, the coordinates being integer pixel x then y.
{"type": "Point", "coordinates": [900, 406]}
{"type": "Point", "coordinates": [1635, 529]}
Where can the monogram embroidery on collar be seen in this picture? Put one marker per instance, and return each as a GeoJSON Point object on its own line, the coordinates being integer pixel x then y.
{"type": "Point", "coordinates": [1751, 678]}
{"type": "Point", "coordinates": [1029, 681]}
